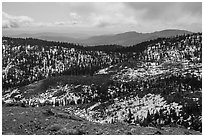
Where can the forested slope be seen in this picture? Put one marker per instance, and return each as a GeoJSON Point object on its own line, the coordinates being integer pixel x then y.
{"type": "Point", "coordinates": [154, 83]}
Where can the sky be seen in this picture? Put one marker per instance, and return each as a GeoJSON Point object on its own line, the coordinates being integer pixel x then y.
{"type": "Point", "coordinates": [100, 17]}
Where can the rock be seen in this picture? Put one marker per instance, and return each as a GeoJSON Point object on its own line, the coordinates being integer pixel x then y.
{"type": "Point", "coordinates": [59, 93]}
{"type": "Point", "coordinates": [134, 131]}
{"type": "Point", "coordinates": [118, 131]}
{"type": "Point", "coordinates": [128, 133]}
{"type": "Point", "coordinates": [99, 133]}
{"type": "Point", "coordinates": [187, 133]}
{"type": "Point", "coordinates": [54, 127]}
{"type": "Point", "coordinates": [48, 112]}
{"type": "Point", "coordinates": [157, 133]}
{"type": "Point", "coordinates": [68, 116]}
{"type": "Point", "coordinates": [9, 103]}
{"type": "Point", "coordinates": [76, 118]}
{"type": "Point", "coordinates": [14, 94]}
{"type": "Point", "coordinates": [62, 115]}
{"type": "Point", "coordinates": [21, 104]}
{"type": "Point", "coordinates": [20, 126]}
{"type": "Point", "coordinates": [66, 131]}
{"type": "Point", "coordinates": [8, 133]}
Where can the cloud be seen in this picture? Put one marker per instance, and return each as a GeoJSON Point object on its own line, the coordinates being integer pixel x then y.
{"type": "Point", "coordinates": [150, 10]}
{"type": "Point", "coordinates": [140, 16]}
{"type": "Point", "coordinates": [9, 21]}
{"type": "Point", "coordinates": [103, 24]}
{"type": "Point", "coordinates": [166, 11]}
{"type": "Point", "coordinates": [113, 16]}
{"type": "Point", "coordinates": [99, 14]}
{"type": "Point", "coordinates": [114, 20]}
{"type": "Point", "coordinates": [74, 17]}
{"type": "Point", "coordinates": [60, 23]}
{"type": "Point", "coordinates": [162, 15]}
{"type": "Point", "coordinates": [194, 8]}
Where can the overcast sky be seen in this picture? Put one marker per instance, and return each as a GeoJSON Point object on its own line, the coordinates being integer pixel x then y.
{"type": "Point", "coordinates": [101, 18]}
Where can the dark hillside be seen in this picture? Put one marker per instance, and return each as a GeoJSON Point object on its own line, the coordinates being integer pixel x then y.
{"type": "Point", "coordinates": [29, 60]}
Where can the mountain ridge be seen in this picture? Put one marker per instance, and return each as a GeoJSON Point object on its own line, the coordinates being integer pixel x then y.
{"type": "Point", "coordinates": [125, 39]}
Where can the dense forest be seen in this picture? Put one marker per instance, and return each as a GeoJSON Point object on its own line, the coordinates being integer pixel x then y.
{"type": "Point", "coordinates": [28, 60]}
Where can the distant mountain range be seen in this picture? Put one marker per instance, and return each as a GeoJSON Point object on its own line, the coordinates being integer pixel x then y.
{"type": "Point", "coordinates": [124, 39]}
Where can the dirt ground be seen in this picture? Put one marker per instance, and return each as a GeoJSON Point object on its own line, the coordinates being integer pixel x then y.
{"type": "Point", "coordinates": [40, 121]}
